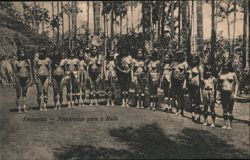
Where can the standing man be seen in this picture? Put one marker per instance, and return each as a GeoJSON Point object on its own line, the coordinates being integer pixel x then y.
{"type": "Point", "coordinates": [42, 74]}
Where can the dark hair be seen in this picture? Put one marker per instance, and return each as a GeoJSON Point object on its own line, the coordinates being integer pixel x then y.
{"type": "Point", "coordinates": [19, 52]}
{"type": "Point", "coordinates": [229, 65]}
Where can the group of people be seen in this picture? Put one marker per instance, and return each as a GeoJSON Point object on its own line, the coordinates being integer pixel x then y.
{"type": "Point", "coordinates": [85, 71]}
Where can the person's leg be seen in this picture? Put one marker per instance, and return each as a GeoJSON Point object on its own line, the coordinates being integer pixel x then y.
{"type": "Point", "coordinates": [206, 98]}
{"type": "Point", "coordinates": [212, 108]}
{"type": "Point", "coordinates": [18, 94]}
{"type": "Point", "coordinates": [224, 103]}
{"type": "Point", "coordinates": [197, 103]}
{"type": "Point", "coordinates": [181, 101]}
{"type": "Point", "coordinates": [69, 92]}
{"type": "Point", "coordinates": [39, 93]}
{"type": "Point", "coordinates": [230, 110]}
{"type": "Point", "coordinates": [45, 92]}
{"type": "Point", "coordinates": [60, 94]}
{"type": "Point", "coordinates": [24, 94]}
{"type": "Point", "coordinates": [127, 83]}
{"type": "Point", "coordinates": [76, 90]}
{"type": "Point", "coordinates": [55, 91]}
{"type": "Point", "coordinates": [82, 86]}
{"type": "Point", "coordinates": [155, 83]}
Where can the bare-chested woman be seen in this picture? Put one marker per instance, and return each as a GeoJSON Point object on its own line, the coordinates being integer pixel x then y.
{"type": "Point", "coordinates": [166, 80]}
{"type": "Point", "coordinates": [58, 67]}
{"type": "Point", "coordinates": [42, 74]}
{"type": "Point", "coordinates": [110, 77]}
{"type": "Point", "coordinates": [139, 77]}
{"type": "Point", "coordinates": [228, 86]}
{"type": "Point", "coordinates": [23, 77]}
{"type": "Point", "coordinates": [82, 74]}
{"type": "Point", "coordinates": [208, 93]}
{"type": "Point", "coordinates": [123, 67]}
{"type": "Point", "coordinates": [195, 73]}
{"type": "Point", "coordinates": [153, 71]}
{"type": "Point", "coordinates": [73, 78]}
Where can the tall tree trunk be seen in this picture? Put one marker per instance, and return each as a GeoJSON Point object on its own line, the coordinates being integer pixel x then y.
{"type": "Point", "coordinates": [248, 43]}
{"type": "Point", "coordinates": [33, 16]}
{"type": "Point", "coordinates": [62, 24]}
{"type": "Point", "coordinates": [228, 32]}
{"type": "Point", "coordinates": [185, 27]}
{"type": "Point", "coordinates": [179, 24]}
{"type": "Point", "coordinates": [74, 19]}
{"type": "Point", "coordinates": [112, 20]}
{"type": "Point", "coordinates": [172, 20]}
{"type": "Point", "coordinates": [234, 23]}
{"type": "Point", "coordinates": [244, 35]}
{"type": "Point", "coordinates": [199, 26]}
{"type": "Point", "coordinates": [96, 8]}
{"type": "Point", "coordinates": [42, 17]}
{"type": "Point", "coordinates": [53, 16]}
{"type": "Point", "coordinates": [163, 15]}
{"type": "Point", "coordinates": [88, 23]}
{"type": "Point", "coordinates": [127, 22]}
{"type": "Point", "coordinates": [213, 34]}
{"type": "Point", "coordinates": [58, 32]}
{"type": "Point", "coordinates": [138, 27]}
{"type": "Point", "coordinates": [120, 24]}
{"type": "Point", "coordinates": [69, 21]}
{"type": "Point", "coordinates": [159, 23]}
{"type": "Point", "coordinates": [104, 24]}
{"type": "Point", "coordinates": [132, 17]}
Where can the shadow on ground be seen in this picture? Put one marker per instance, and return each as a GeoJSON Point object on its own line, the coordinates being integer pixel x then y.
{"type": "Point", "coordinates": [150, 142]}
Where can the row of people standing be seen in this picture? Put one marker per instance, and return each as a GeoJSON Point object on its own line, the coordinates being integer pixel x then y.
{"type": "Point", "coordinates": [85, 70]}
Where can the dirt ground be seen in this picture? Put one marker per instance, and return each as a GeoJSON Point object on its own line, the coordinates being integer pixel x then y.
{"type": "Point", "coordinates": [102, 132]}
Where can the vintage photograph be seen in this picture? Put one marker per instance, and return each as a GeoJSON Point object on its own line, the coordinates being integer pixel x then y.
{"type": "Point", "coordinates": [124, 80]}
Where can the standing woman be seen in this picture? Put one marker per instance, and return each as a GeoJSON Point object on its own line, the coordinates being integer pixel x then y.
{"type": "Point", "coordinates": [58, 67]}
{"type": "Point", "coordinates": [166, 80]}
{"type": "Point", "coordinates": [153, 68]}
{"type": "Point", "coordinates": [110, 77]}
{"type": "Point", "coordinates": [123, 67]}
{"type": "Point", "coordinates": [82, 74]}
{"type": "Point", "coordinates": [42, 74]}
{"type": "Point", "coordinates": [228, 86]}
{"type": "Point", "coordinates": [178, 82]}
{"type": "Point", "coordinates": [94, 72]}
{"type": "Point", "coordinates": [139, 77]}
{"type": "Point", "coordinates": [194, 74]}
{"type": "Point", "coordinates": [23, 76]}
{"type": "Point", "coordinates": [72, 71]}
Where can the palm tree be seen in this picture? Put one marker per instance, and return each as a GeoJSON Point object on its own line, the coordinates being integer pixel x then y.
{"type": "Point", "coordinates": [96, 7]}
{"type": "Point", "coordinates": [74, 18]}
{"type": "Point", "coordinates": [53, 16]}
{"type": "Point", "coordinates": [199, 26]}
{"type": "Point", "coordinates": [245, 26]}
{"type": "Point", "coordinates": [58, 27]}
{"type": "Point", "coordinates": [62, 9]}
{"type": "Point", "coordinates": [68, 11]}
{"type": "Point", "coordinates": [163, 15]}
{"type": "Point", "coordinates": [235, 10]}
{"type": "Point", "coordinates": [213, 33]}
